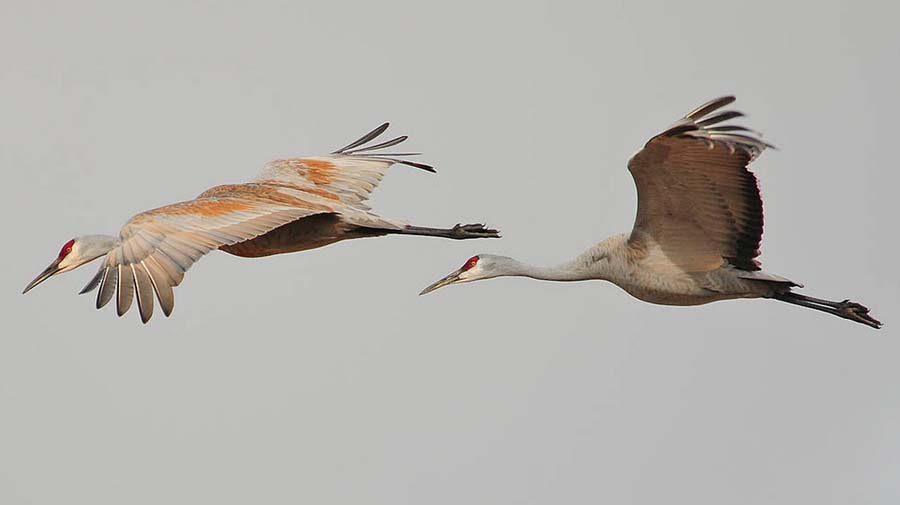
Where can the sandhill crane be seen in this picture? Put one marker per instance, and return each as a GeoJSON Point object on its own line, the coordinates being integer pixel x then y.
{"type": "Point", "coordinates": [293, 205]}
{"type": "Point", "coordinates": [698, 228]}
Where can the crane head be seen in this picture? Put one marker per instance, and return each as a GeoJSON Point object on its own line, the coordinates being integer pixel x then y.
{"type": "Point", "coordinates": [481, 266]}
{"type": "Point", "coordinates": [73, 254]}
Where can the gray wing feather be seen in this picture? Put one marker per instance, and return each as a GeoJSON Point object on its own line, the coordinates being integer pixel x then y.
{"type": "Point", "coordinates": [710, 106]}
{"type": "Point", "coordinates": [144, 291]}
{"type": "Point", "coordinates": [107, 286]}
{"type": "Point", "coordinates": [95, 281]}
{"type": "Point", "coordinates": [162, 284]}
{"type": "Point", "coordinates": [125, 290]}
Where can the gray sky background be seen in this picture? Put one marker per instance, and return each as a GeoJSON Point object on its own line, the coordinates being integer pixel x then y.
{"type": "Point", "coordinates": [321, 377]}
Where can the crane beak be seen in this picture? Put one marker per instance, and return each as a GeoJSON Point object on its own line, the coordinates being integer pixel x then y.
{"type": "Point", "coordinates": [50, 271]}
{"type": "Point", "coordinates": [450, 279]}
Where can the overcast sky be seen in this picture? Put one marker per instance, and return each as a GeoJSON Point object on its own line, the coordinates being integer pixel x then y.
{"type": "Point", "coordinates": [320, 377]}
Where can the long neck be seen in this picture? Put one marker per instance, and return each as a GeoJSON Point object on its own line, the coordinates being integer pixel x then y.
{"type": "Point", "coordinates": [570, 271]}
{"type": "Point", "coordinates": [602, 262]}
{"type": "Point", "coordinates": [94, 246]}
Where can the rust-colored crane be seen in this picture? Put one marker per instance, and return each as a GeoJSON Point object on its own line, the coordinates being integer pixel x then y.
{"type": "Point", "coordinates": [293, 205]}
{"type": "Point", "coordinates": [698, 228]}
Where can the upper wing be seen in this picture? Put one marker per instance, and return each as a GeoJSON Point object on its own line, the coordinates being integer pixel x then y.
{"type": "Point", "coordinates": [349, 174]}
{"type": "Point", "coordinates": [696, 199]}
{"type": "Point", "coordinates": [157, 247]}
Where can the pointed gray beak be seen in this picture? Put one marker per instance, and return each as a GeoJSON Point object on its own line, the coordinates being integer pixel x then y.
{"type": "Point", "coordinates": [46, 274]}
{"type": "Point", "coordinates": [450, 279]}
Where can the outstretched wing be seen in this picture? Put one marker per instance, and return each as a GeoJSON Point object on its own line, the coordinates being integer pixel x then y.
{"type": "Point", "coordinates": [349, 174]}
{"type": "Point", "coordinates": [157, 247]}
{"type": "Point", "coordinates": [696, 199]}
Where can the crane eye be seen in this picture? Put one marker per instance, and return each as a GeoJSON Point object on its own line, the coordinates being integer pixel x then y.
{"type": "Point", "coordinates": [66, 248]}
{"type": "Point", "coordinates": [471, 262]}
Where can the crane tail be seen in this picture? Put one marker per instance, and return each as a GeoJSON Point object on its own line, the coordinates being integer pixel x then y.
{"type": "Point", "coordinates": [846, 309]}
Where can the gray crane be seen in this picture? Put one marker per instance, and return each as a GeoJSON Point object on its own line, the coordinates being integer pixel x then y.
{"type": "Point", "coordinates": [698, 227]}
{"type": "Point", "coordinates": [293, 205]}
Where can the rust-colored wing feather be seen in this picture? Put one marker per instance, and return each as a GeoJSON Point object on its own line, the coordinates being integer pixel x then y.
{"type": "Point", "coordinates": [696, 199]}
{"type": "Point", "coordinates": [349, 174]}
{"type": "Point", "coordinates": [157, 247]}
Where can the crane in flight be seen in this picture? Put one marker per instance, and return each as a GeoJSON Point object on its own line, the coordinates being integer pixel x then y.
{"type": "Point", "coordinates": [293, 205]}
{"type": "Point", "coordinates": [698, 227]}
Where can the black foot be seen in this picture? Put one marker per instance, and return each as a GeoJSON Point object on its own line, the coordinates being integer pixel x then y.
{"type": "Point", "coordinates": [458, 232]}
{"type": "Point", "coordinates": [467, 231]}
{"type": "Point", "coordinates": [857, 312]}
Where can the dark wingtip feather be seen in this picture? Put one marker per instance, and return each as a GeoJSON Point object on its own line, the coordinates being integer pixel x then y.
{"type": "Point", "coordinates": [700, 122]}
{"type": "Point", "coordinates": [124, 290]}
{"type": "Point", "coordinates": [389, 143]}
{"type": "Point", "coordinates": [365, 138]}
{"type": "Point", "coordinates": [94, 282]}
{"type": "Point", "coordinates": [423, 166]}
{"type": "Point", "coordinates": [720, 117]}
{"type": "Point", "coordinates": [107, 287]}
{"type": "Point", "coordinates": [143, 290]}
{"type": "Point", "coordinates": [415, 164]}
{"type": "Point", "coordinates": [710, 106]}
{"type": "Point", "coordinates": [359, 149]}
